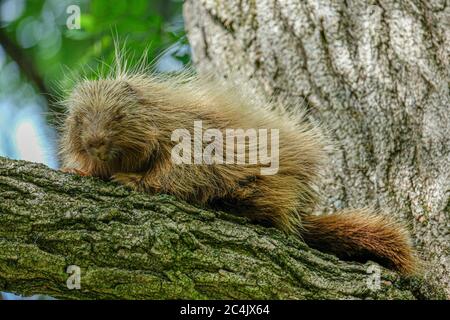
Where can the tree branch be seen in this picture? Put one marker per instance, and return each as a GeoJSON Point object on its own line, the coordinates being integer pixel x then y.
{"type": "Point", "coordinates": [130, 245]}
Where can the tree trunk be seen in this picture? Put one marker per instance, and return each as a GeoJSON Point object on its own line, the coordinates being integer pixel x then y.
{"type": "Point", "coordinates": [374, 73]}
{"type": "Point", "coordinates": [130, 245]}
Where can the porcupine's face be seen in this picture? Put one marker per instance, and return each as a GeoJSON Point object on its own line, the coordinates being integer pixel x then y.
{"type": "Point", "coordinates": [101, 124]}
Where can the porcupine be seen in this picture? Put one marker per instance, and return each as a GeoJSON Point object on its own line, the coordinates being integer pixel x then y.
{"type": "Point", "coordinates": [119, 127]}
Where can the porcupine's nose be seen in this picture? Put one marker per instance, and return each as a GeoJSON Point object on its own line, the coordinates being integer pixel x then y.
{"type": "Point", "coordinates": [98, 149]}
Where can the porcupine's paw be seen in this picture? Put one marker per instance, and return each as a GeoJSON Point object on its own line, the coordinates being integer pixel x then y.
{"type": "Point", "coordinates": [75, 171]}
{"type": "Point", "coordinates": [130, 180]}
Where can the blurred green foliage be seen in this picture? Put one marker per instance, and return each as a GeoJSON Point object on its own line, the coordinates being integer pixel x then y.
{"type": "Point", "coordinates": [40, 30]}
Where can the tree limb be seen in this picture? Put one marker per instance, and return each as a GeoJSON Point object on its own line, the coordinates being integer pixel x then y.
{"type": "Point", "coordinates": [133, 246]}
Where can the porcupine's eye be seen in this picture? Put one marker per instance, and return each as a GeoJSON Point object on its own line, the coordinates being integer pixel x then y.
{"type": "Point", "coordinates": [77, 120]}
{"type": "Point", "coordinates": [118, 117]}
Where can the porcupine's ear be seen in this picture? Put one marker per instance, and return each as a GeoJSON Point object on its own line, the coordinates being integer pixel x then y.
{"type": "Point", "coordinates": [128, 89]}
{"type": "Point", "coordinates": [130, 92]}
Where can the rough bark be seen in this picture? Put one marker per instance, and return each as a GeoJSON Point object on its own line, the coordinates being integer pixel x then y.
{"type": "Point", "coordinates": [131, 245]}
{"type": "Point", "coordinates": [374, 73]}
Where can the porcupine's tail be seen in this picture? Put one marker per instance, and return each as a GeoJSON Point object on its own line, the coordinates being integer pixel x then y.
{"type": "Point", "coordinates": [362, 235]}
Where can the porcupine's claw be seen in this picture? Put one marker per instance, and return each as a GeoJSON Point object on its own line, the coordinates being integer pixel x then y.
{"type": "Point", "coordinates": [74, 171]}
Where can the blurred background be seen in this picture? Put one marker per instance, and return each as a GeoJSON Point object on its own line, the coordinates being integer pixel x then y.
{"type": "Point", "coordinates": [42, 42]}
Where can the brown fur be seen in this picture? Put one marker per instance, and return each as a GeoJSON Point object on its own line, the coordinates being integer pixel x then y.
{"type": "Point", "coordinates": [120, 128]}
{"type": "Point", "coordinates": [362, 235]}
